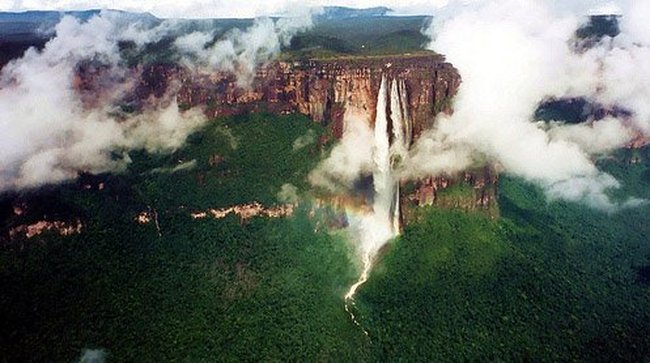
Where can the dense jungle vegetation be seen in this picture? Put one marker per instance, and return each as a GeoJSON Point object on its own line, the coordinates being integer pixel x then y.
{"type": "Point", "coordinates": [542, 282]}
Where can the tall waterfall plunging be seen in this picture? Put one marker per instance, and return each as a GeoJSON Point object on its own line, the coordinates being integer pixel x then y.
{"type": "Point", "coordinates": [392, 138]}
{"type": "Point", "coordinates": [402, 135]}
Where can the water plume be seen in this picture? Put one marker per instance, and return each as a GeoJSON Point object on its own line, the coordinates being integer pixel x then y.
{"type": "Point", "coordinates": [372, 227]}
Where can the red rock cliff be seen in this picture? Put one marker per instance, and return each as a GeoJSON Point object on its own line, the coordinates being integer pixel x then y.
{"type": "Point", "coordinates": [325, 89]}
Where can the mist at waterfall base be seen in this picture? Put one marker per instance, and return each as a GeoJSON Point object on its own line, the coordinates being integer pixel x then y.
{"type": "Point", "coordinates": [52, 127]}
{"type": "Point", "coordinates": [372, 227]}
{"type": "Point", "coordinates": [511, 56]}
{"type": "Point", "coordinates": [509, 64]}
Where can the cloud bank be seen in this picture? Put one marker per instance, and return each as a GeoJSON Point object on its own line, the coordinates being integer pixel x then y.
{"type": "Point", "coordinates": [241, 52]}
{"type": "Point", "coordinates": [349, 160]}
{"type": "Point", "coordinates": [218, 8]}
{"type": "Point", "coordinates": [56, 123]}
{"type": "Point", "coordinates": [513, 54]}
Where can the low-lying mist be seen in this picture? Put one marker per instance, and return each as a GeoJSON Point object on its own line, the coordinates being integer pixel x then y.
{"type": "Point", "coordinates": [54, 125]}
{"type": "Point", "coordinates": [513, 55]}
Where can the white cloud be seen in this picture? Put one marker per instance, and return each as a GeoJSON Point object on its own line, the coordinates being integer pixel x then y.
{"type": "Point", "coordinates": [599, 137]}
{"type": "Point", "coordinates": [511, 55]}
{"type": "Point", "coordinates": [606, 9]}
{"type": "Point", "coordinates": [51, 128]}
{"type": "Point", "coordinates": [288, 194]}
{"type": "Point", "coordinates": [350, 159]}
{"type": "Point", "coordinates": [254, 8]}
{"type": "Point", "coordinates": [242, 51]}
{"type": "Point", "coordinates": [218, 8]}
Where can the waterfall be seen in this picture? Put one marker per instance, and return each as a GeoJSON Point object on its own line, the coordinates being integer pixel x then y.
{"type": "Point", "coordinates": [382, 176]}
{"type": "Point", "coordinates": [401, 127]}
{"type": "Point", "coordinates": [391, 139]}
{"type": "Point", "coordinates": [397, 118]}
{"type": "Point", "coordinates": [406, 118]}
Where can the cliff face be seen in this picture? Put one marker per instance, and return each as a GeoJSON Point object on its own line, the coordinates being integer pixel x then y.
{"type": "Point", "coordinates": [474, 189]}
{"type": "Point", "coordinates": [326, 89]}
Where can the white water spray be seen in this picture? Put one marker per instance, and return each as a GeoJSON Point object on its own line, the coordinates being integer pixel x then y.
{"type": "Point", "coordinates": [402, 135]}
{"type": "Point", "coordinates": [383, 223]}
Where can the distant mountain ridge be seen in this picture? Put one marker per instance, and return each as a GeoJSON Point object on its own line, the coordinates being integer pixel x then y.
{"type": "Point", "coordinates": [47, 16]}
{"type": "Point", "coordinates": [341, 12]}
{"type": "Point", "coordinates": [24, 26]}
{"type": "Point", "coordinates": [16, 26]}
{"type": "Point", "coordinates": [32, 16]}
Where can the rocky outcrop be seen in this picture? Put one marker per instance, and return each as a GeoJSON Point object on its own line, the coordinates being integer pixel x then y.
{"type": "Point", "coordinates": [325, 89]}
{"type": "Point", "coordinates": [247, 211]}
{"type": "Point", "coordinates": [62, 228]}
{"type": "Point", "coordinates": [474, 189]}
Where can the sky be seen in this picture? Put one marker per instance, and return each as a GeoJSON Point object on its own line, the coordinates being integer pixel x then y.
{"type": "Point", "coordinates": [249, 8]}
{"type": "Point", "coordinates": [215, 8]}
